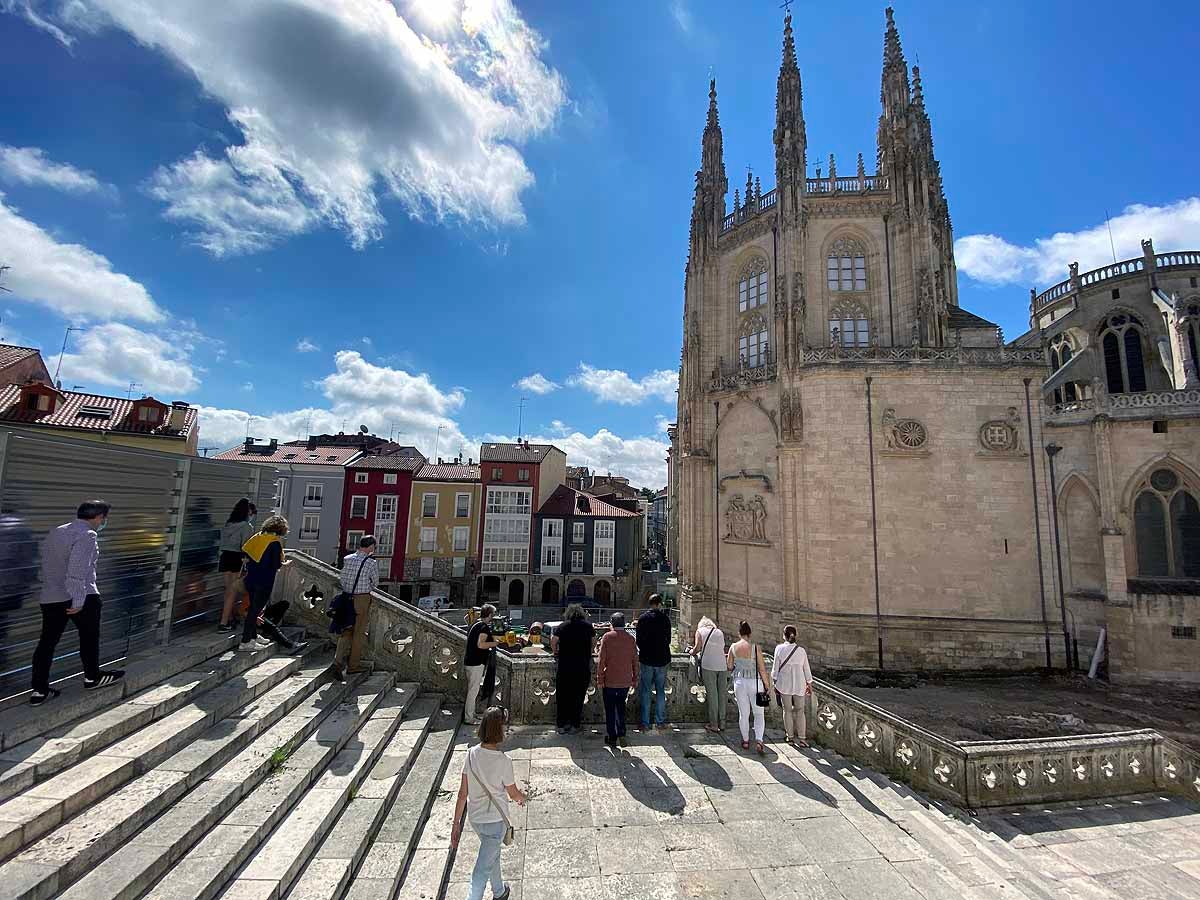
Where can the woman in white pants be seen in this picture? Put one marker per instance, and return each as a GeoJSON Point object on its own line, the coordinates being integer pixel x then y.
{"type": "Point", "coordinates": [793, 680]}
{"type": "Point", "coordinates": [749, 678]}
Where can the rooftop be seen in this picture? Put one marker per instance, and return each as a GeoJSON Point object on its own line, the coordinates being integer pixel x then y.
{"type": "Point", "coordinates": [447, 472]}
{"type": "Point", "coordinates": [94, 412]}
{"type": "Point", "coordinates": [293, 454]}
{"type": "Point", "coordinates": [11, 354]}
{"type": "Point", "coordinates": [567, 501]}
{"type": "Point", "coordinates": [392, 462]}
{"type": "Point", "coordinates": [960, 318]}
{"type": "Point", "coordinates": [526, 452]}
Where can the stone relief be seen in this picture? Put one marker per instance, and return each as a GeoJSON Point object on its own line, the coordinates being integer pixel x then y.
{"type": "Point", "coordinates": [746, 521]}
{"type": "Point", "coordinates": [1002, 435]}
{"type": "Point", "coordinates": [791, 416]}
{"type": "Point", "coordinates": [902, 435]}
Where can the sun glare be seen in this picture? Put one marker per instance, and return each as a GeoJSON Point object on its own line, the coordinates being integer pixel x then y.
{"type": "Point", "coordinates": [439, 14]}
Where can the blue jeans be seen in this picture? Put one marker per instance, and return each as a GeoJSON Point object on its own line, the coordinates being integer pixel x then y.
{"type": "Point", "coordinates": [653, 679]}
{"type": "Point", "coordinates": [614, 712]}
{"type": "Point", "coordinates": [487, 865]}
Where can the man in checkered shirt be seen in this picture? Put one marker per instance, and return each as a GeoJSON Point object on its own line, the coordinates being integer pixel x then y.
{"type": "Point", "coordinates": [360, 576]}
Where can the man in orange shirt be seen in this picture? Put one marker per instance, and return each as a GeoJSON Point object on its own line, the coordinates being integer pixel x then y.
{"type": "Point", "coordinates": [616, 673]}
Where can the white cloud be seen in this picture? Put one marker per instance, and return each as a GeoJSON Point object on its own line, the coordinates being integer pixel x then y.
{"type": "Point", "coordinates": [29, 165]}
{"type": "Point", "coordinates": [643, 460]}
{"type": "Point", "coordinates": [431, 119]}
{"type": "Point", "coordinates": [68, 278]}
{"type": "Point", "coordinates": [682, 15]}
{"type": "Point", "coordinates": [559, 427]}
{"type": "Point", "coordinates": [991, 259]}
{"type": "Point", "coordinates": [248, 386]}
{"type": "Point", "coordinates": [115, 355]}
{"type": "Point", "coordinates": [304, 345]}
{"type": "Point", "coordinates": [359, 393]}
{"type": "Point", "coordinates": [537, 383]}
{"type": "Point", "coordinates": [662, 423]}
{"type": "Point", "coordinates": [615, 386]}
{"type": "Point", "coordinates": [366, 341]}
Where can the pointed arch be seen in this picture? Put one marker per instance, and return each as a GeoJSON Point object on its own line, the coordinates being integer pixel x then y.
{"type": "Point", "coordinates": [1163, 499]}
{"type": "Point", "coordinates": [744, 400]}
{"type": "Point", "coordinates": [1141, 475]}
{"type": "Point", "coordinates": [1075, 476]}
{"type": "Point", "coordinates": [1078, 505]}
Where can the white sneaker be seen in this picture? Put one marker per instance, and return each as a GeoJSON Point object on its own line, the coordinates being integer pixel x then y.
{"type": "Point", "coordinates": [248, 646]}
{"type": "Point", "coordinates": [263, 643]}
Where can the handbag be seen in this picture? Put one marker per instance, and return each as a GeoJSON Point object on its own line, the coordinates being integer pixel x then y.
{"type": "Point", "coordinates": [509, 835]}
{"type": "Point", "coordinates": [696, 670]}
{"type": "Point", "coordinates": [342, 597]}
{"type": "Point", "coordinates": [761, 698]}
{"type": "Point", "coordinates": [788, 659]}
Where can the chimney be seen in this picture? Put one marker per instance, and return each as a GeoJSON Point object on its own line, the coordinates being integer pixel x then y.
{"type": "Point", "coordinates": [248, 446]}
{"type": "Point", "coordinates": [178, 415]}
{"type": "Point", "coordinates": [274, 445]}
{"type": "Point", "coordinates": [312, 442]}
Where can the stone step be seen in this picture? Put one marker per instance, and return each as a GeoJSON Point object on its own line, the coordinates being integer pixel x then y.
{"type": "Point", "coordinates": [204, 870]}
{"type": "Point", "coordinates": [26, 817]}
{"type": "Point", "coordinates": [977, 867]}
{"type": "Point", "coordinates": [274, 866]}
{"type": "Point", "coordinates": [239, 746]}
{"type": "Point", "coordinates": [37, 758]}
{"type": "Point", "coordinates": [328, 871]}
{"type": "Point", "coordinates": [387, 861]}
{"type": "Point", "coordinates": [429, 871]}
{"type": "Point", "coordinates": [21, 721]}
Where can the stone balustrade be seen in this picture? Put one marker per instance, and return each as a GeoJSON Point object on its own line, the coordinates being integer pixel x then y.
{"type": "Point", "coordinates": [1122, 269]}
{"type": "Point", "coordinates": [1136, 405]}
{"type": "Point", "coordinates": [956, 355]}
{"type": "Point", "coordinates": [854, 184]}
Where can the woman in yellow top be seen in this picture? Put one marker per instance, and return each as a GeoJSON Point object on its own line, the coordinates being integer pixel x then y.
{"type": "Point", "coordinates": [264, 557]}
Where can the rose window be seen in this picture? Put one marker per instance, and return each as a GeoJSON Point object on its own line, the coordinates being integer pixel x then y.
{"type": "Point", "coordinates": [911, 434]}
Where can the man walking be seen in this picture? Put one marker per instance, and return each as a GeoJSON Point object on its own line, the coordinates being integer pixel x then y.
{"type": "Point", "coordinates": [616, 673]}
{"type": "Point", "coordinates": [479, 644]}
{"type": "Point", "coordinates": [70, 594]}
{"type": "Point", "coordinates": [360, 576]}
{"type": "Point", "coordinates": [654, 654]}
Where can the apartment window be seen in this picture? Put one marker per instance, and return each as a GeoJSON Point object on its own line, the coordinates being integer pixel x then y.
{"type": "Point", "coordinates": [429, 506]}
{"type": "Point", "coordinates": [605, 529]}
{"type": "Point", "coordinates": [146, 414]}
{"type": "Point", "coordinates": [389, 477]}
{"type": "Point", "coordinates": [358, 507]}
{"type": "Point", "coordinates": [310, 526]}
{"type": "Point", "coordinates": [849, 326]}
{"type": "Point", "coordinates": [462, 506]}
{"type": "Point", "coordinates": [497, 473]}
{"type": "Point", "coordinates": [39, 402]}
{"type": "Point", "coordinates": [428, 540]}
{"type": "Point", "coordinates": [362, 477]}
{"type": "Point", "coordinates": [386, 509]}
{"type": "Point", "coordinates": [313, 494]}
{"type": "Point", "coordinates": [846, 266]}
{"type": "Point", "coordinates": [516, 500]}
{"type": "Point", "coordinates": [603, 558]}
{"type": "Point", "coordinates": [427, 567]}
{"type": "Point", "coordinates": [280, 494]}
{"type": "Point", "coordinates": [461, 535]}
{"type": "Point", "coordinates": [522, 474]}
{"type": "Point", "coordinates": [752, 286]}
{"type": "Point", "coordinates": [576, 532]}
{"type": "Point", "coordinates": [576, 560]}
{"type": "Point", "coordinates": [352, 539]}
{"type": "Point", "coordinates": [460, 566]}
{"type": "Point", "coordinates": [510, 531]}
{"type": "Point", "coordinates": [552, 528]}
{"type": "Point", "coordinates": [551, 557]}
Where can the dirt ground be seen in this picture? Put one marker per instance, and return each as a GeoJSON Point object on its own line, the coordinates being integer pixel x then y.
{"type": "Point", "coordinates": [974, 709]}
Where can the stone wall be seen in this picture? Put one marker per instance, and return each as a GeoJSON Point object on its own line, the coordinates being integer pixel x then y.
{"type": "Point", "coordinates": [1147, 639]}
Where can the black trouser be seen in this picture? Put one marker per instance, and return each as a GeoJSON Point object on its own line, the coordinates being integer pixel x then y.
{"type": "Point", "coordinates": [259, 598]}
{"type": "Point", "coordinates": [614, 711]}
{"type": "Point", "coordinates": [54, 623]}
{"type": "Point", "coordinates": [570, 687]}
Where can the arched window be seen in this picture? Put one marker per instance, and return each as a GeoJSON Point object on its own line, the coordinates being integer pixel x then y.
{"type": "Point", "coordinates": [1166, 519]}
{"type": "Point", "coordinates": [753, 347]}
{"type": "Point", "coordinates": [752, 285]}
{"type": "Point", "coordinates": [849, 325]}
{"type": "Point", "coordinates": [1121, 343]}
{"type": "Point", "coordinates": [1061, 352]}
{"type": "Point", "coordinates": [846, 266]}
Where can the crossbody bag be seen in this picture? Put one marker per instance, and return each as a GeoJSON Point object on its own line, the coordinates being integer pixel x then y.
{"type": "Point", "coordinates": [787, 659]}
{"type": "Point", "coordinates": [761, 697]}
{"type": "Point", "coordinates": [698, 659]}
{"type": "Point", "coordinates": [508, 829]}
{"type": "Point", "coordinates": [342, 596]}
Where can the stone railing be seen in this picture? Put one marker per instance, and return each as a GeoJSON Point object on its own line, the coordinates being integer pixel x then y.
{"type": "Point", "coordinates": [736, 376]}
{"type": "Point", "coordinates": [1122, 269]}
{"type": "Point", "coordinates": [1139, 405]}
{"type": "Point", "coordinates": [854, 184]}
{"type": "Point", "coordinates": [976, 774]}
{"type": "Point", "coordinates": [967, 356]}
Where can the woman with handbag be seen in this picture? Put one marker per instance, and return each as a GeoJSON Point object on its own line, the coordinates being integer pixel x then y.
{"type": "Point", "coordinates": [708, 655]}
{"type": "Point", "coordinates": [487, 785]}
{"type": "Point", "coordinates": [793, 684]}
{"type": "Point", "coordinates": [238, 529]}
{"type": "Point", "coordinates": [751, 687]}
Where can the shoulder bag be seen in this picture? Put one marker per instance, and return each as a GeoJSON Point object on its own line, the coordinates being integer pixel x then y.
{"type": "Point", "coordinates": [697, 668]}
{"type": "Point", "coordinates": [787, 659]}
{"type": "Point", "coordinates": [500, 808]}
{"type": "Point", "coordinates": [761, 697]}
{"type": "Point", "coordinates": [342, 597]}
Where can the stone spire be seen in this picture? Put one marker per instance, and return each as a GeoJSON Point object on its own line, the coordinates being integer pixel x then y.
{"type": "Point", "coordinates": [894, 91]}
{"type": "Point", "coordinates": [708, 208]}
{"type": "Point", "coordinates": [791, 142]}
{"type": "Point", "coordinates": [712, 163]}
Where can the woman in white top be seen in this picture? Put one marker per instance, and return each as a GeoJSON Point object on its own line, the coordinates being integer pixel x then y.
{"type": "Point", "coordinates": [486, 787]}
{"type": "Point", "coordinates": [793, 680]}
{"type": "Point", "coordinates": [709, 645]}
{"type": "Point", "coordinates": [749, 678]}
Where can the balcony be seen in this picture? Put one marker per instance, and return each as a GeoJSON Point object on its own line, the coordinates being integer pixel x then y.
{"type": "Point", "coordinates": [312, 502]}
{"type": "Point", "coordinates": [1132, 406]}
{"type": "Point", "coordinates": [759, 202]}
{"type": "Point", "coordinates": [741, 374]}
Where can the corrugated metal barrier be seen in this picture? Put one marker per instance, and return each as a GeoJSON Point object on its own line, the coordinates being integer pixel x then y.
{"type": "Point", "coordinates": [158, 554]}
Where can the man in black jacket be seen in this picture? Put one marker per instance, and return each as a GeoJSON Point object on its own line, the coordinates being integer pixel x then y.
{"type": "Point", "coordinates": [654, 656]}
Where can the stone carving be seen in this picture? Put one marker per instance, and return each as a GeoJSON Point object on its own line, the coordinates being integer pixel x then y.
{"type": "Point", "coordinates": [1002, 435]}
{"type": "Point", "coordinates": [746, 521]}
{"type": "Point", "coordinates": [902, 434]}
{"type": "Point", "coordinates": [791, 415]}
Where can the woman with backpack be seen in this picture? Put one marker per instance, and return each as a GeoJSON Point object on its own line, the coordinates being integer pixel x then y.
{"type": "Point", "coordinates": [793, 684]}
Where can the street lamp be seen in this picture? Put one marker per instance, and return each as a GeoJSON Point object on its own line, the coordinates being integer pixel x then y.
{"type": "Point", "coordinates": [1052, 450]}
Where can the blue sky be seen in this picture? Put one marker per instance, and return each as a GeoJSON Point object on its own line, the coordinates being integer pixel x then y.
{"type": "Point", "coordinates": [392, 213]}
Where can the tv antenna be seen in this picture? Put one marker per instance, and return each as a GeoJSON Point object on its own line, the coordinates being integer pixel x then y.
{"type": "Point", "coordinates": [132, 385]}
{"type": "Point", "coordinates": [4, 269]}
{"type": "Point", "coordinates": [66, 335]}
{"type": "Point", "coordinates": [520, 419]}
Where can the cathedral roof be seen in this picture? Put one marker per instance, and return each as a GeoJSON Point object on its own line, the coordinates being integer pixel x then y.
{"type": "Point", "coordinates": [960, 318]}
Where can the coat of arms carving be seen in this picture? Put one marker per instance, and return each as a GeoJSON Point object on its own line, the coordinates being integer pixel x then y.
{"type": "Point", "coordinates": [746, 521]}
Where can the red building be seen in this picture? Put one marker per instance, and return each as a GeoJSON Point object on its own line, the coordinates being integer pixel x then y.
{"type": "Point", "coordinates": [517, 479]}
{"type": "Point", "coordinates": [375, 501]}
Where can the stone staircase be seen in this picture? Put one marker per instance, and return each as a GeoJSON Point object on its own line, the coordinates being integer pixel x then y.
{"type": "Point", "coordinates": [219, 773]}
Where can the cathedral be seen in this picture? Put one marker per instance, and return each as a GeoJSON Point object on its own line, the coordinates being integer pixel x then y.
{"type": "Point", "coordinates": [856, 454]}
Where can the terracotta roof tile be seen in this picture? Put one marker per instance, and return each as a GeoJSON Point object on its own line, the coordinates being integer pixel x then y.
{"type": "Point", "coordinates": [299, 456]}
{"type": "Point", "coordinates": [10, 354]}
{"type": "Point", "coordinates": [565, 502]}
{"type": "Point", "coordinates": [515, 452]}
{"type": "Point", "coordinates": [447, 472]}
{"type": "Point", "coordinates": [87, 412]}
{"type": "Point", "coordinates": [394, 463]}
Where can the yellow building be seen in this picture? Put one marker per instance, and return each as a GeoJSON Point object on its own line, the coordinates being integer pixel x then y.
{"type": "Point", "coordinates": [442, 545]}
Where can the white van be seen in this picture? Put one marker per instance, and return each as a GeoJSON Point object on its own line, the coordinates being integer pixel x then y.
{"type": "Point", "coordinates": [434, 603]}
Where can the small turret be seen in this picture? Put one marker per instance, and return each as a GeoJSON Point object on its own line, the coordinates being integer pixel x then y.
{"type": "Point", "coordinates": [791, 142]}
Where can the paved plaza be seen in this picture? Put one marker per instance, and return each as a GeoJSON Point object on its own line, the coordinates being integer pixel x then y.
{"type": "Point", "coordinates": [688, 814]}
